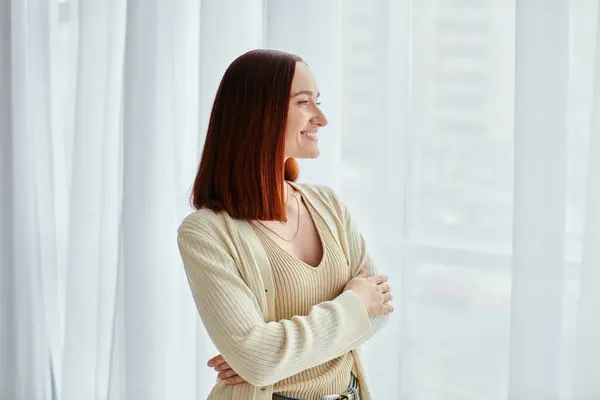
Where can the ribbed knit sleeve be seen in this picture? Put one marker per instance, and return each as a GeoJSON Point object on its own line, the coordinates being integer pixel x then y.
{"type": "Point", "coordinates": [264, 353]}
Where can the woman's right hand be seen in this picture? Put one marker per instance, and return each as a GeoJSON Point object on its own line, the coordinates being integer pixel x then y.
{"type": "Point", "coordinates": [373, 291]}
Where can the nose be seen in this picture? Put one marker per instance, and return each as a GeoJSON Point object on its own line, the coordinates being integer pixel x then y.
{"type": "Point", "coordinates": [319, 119]}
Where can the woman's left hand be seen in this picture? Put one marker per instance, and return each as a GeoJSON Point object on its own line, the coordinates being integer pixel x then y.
{"type": "Point", "coordinates": [226, 373]}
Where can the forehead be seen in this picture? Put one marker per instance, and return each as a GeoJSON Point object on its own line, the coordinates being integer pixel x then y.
{"type": "Point", "coordinates": [304, 79]}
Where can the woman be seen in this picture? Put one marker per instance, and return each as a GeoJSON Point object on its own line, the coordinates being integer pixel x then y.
{"type": "Point", "coordinates": [278, 271]}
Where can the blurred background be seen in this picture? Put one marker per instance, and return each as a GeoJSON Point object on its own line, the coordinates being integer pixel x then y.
{"type": "Point", "coordinates": [463, 135]}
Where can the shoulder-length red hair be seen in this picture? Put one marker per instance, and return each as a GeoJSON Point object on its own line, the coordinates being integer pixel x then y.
{"type": "Point", "coordinates": [242, 169]}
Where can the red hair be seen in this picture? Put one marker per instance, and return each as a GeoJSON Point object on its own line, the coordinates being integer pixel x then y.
{"type": "Point", "coordinates": [242, 169]}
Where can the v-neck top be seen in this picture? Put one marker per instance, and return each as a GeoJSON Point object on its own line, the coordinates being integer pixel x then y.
{"type": "Point", "coordinates": [230, 279]}
{"type": "Point", "coordinates": [300, 286]}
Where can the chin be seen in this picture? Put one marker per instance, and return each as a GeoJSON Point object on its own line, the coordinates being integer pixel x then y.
{"type": "Point", "coordinates": [309, 154]}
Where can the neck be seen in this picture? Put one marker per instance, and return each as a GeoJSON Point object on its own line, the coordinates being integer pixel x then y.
{"type": "Point", "coordinates": [289, 198]}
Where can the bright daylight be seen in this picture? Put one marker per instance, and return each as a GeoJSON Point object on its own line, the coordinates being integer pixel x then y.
{"type": "Point", "coordinates": [306, 200]}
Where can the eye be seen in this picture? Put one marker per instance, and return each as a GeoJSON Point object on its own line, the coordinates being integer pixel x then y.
{"type": "Point", "coordinates": [306, 102]}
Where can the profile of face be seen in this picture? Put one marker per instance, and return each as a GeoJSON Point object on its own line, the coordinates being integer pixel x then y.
{"type": "Point", "coordinates": [304, 117]}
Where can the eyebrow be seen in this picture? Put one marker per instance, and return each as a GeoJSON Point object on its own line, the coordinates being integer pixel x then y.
{"type": "Point", "coordinates": [308, 92]}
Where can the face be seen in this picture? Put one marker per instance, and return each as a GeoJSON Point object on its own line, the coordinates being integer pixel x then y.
{"type": "Point", "coordinates": [304, 116]}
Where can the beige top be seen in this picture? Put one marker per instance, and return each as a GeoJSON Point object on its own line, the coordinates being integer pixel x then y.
{"type": "Point", "coordinates": [231, 280]}
{"type": "Point", "coordinates": [300, 286]}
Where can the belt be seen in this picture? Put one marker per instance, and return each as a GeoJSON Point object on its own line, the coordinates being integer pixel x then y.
{"type": "Point", "coordinates": [350, 394]}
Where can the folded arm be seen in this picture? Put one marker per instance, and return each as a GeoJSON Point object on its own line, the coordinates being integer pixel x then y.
{"type": "Point", "coordinates": [358, 256]}
{"type": "Point", "coordinates": [265, 353]}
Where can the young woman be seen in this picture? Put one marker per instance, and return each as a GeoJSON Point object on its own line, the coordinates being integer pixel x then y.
{"type": "Point", "coordinates": [278, 270]}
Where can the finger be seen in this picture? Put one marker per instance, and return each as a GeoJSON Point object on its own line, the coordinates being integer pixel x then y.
{"type": "Point", "coordinates": [388, 308]}
{"type": "Point", "coordinates": [222, 367]}
{"type": "Point", "coordinates": [220, 364]}
{"type": "Point", "coordinates": [216, 360]}
{"type": "Point", "coordinates": [387, 296]}
{"type": "Point", "coordinates": [226, 374]}
{"type": "Point", "coordinates": [378, 279]}
{"type": "Point", "coordinates": [234, 380]}
{"type": "Point", "coordinates": [385, 287]}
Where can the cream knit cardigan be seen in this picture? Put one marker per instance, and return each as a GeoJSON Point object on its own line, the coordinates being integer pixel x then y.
{"type": "Point", "coordinates": [230, 279]}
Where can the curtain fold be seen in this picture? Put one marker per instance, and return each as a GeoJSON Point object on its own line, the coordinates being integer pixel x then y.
{"type": "Point", "coordinates": [33, 301]}
{"type": "Point", "coordinates": [95, 188]}
{"type": "Point", "coordinates": [8, 377]}
{"type": "Point", "coordinates": [539, 199]}
{"type": "Point", "coordinates": [586, 380]}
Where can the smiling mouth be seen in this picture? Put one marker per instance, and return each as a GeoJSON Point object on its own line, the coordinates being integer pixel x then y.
{"type": "Point", "coordinates": [311, 135]}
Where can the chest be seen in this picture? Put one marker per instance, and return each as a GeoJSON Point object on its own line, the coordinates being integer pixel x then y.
{"type": "Point", "coordinates": [309, 270]}
{"type": "Point", "coordinates": [299, 286]}
{"type": "Point", "coordinates": [306, 229]}
{"type": "Point", "coordinates": [308, 245]}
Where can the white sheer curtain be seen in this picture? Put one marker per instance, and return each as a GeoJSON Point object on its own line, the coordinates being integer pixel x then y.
{"type": "Point", "coordinates": [464, 135]}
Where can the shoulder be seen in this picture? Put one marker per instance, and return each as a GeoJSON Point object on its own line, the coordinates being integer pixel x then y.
{"type": "Point", "coordinates": [205, 242]}
{"type": "Point", "coordinates": [323, 193]}
{"type": "Point", "coordinates": [325, 196]}
{"type": "Point", "coordinates": [204, 223]}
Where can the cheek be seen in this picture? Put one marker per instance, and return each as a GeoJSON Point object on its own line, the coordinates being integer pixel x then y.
{"type": "Point", "coordinates": [294, 125]}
